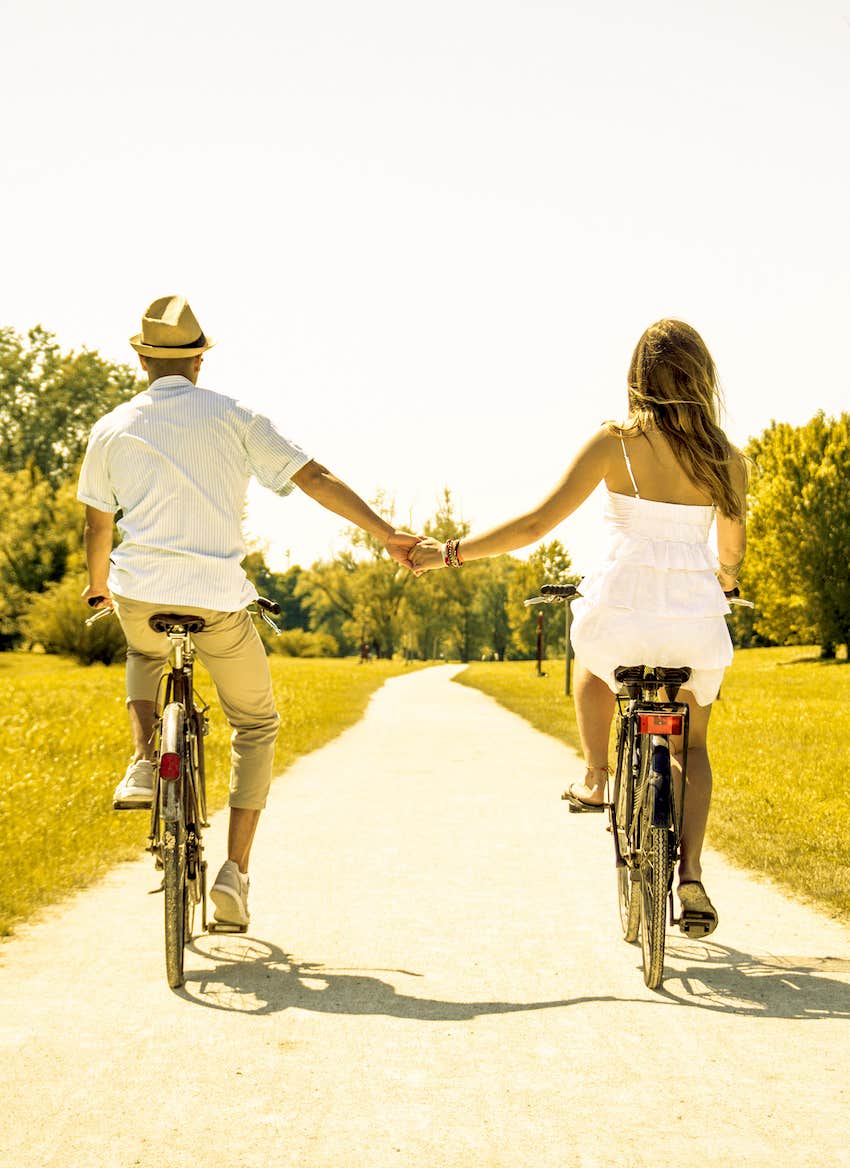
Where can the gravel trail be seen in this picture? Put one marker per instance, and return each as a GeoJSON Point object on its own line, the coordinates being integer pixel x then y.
{"type": "Point", "coordinates": [434, 978]}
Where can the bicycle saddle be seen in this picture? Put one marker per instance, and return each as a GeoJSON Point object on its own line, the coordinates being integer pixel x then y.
{"type": "Point", "coordinates": [638, 677]}
{"type": "Point", "coordinates": [167, 622]}
{"type": "Point", "coordinates": [665, 675]}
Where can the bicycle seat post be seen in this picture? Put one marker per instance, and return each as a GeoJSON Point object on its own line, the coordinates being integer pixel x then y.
{"type": "Point", "coordinates": [182, 647]}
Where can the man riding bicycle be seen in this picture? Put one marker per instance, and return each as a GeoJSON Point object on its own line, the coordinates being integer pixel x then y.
{"type": "Point", "coordinates": [172, 466]}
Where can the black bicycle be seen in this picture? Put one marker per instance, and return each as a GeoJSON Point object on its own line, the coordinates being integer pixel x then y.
{"type": "Point", "coordinates": [646, 807]}
{"type": "Point", "coordinates": [179, 805]}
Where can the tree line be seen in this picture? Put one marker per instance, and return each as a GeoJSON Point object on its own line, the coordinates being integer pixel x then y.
{"type": "Point", "coordinates": [797, 568]}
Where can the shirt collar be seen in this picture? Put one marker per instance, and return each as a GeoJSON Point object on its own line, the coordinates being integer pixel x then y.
{"type": "Point", "coordinates": [175, 381]}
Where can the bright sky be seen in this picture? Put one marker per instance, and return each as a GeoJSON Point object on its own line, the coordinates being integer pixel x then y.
{"type": "Point", "coordinates": [427, 236]}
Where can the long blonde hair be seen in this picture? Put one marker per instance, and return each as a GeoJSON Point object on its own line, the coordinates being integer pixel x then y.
{"type": "Point", "coordinates": [673, 388]}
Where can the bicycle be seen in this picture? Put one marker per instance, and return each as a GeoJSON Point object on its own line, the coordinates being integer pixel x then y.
{"type": "Point", "coordinates": [646, 807]}
{"type": "Point", "coordinates": [178, 807]}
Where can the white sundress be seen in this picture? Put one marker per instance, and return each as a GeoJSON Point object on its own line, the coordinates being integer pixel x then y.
{"type": "Point", "coordinates": [656, 599]}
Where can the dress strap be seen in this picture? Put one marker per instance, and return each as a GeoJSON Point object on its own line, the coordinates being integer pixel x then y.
{"type": "Point", "coordinates": [629, 467]}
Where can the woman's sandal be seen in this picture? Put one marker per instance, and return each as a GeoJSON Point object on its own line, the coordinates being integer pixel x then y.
{"type": "Point", "coordinates": [699, 916]}
{"type": "Point", "coordinates": [576, 802]}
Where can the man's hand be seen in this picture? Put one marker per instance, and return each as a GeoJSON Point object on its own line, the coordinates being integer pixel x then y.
{"type": "Point", "coordinates": [400, 544]}
{"type": "Point", "coordinates": [98, 590]}
{"type": "Point", "coordinates": [427, 554]}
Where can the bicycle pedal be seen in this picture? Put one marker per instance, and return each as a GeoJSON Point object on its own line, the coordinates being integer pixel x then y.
{"type": "Point", "coordinates": [695, 930]}
{"type": "Point", "coordinates": [121, 805]}
{"type": "Point", "coordinates": [225, 927]}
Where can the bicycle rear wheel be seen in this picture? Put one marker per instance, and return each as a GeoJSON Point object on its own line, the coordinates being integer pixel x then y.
{"type": "Point", "coordinates": [194, 804]}
{"type": "Point", "coordinates": [172, 764]}
{"type": "Point", "coordinates": [655, 871]}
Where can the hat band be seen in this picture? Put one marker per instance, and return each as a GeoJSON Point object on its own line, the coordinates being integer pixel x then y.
{"type": "Point", "coordinates": [202, 340]}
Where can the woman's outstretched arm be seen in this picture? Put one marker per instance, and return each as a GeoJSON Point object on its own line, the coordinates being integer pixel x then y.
{"type": "Point", "coordinates": [584, 473]}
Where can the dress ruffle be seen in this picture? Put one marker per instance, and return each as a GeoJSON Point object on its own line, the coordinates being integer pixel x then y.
{"type": "Point", "coordinates": [655, 600]}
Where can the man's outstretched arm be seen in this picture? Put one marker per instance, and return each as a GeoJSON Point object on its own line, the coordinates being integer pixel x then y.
{"type": "Point", "coordinates": [98, 543]}
{"type": "Point", "coordinates": [317, 481]}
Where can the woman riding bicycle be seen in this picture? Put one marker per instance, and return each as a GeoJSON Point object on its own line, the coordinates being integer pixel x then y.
{"type": "Point", "coordinates": [657, 598]}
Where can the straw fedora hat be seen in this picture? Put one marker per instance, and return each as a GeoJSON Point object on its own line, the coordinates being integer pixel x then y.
{"type": "Point", "coordinates": [169, 329]}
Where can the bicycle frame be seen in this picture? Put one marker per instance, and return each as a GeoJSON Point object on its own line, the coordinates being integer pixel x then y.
{"type": "Point", "coordinates": [177, 686]}
{"type": "Point", "coordinates": [631, 744]}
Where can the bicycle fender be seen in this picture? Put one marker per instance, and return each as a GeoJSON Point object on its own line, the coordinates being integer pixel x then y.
{"type": "Point", "coordinates": [659, 782]}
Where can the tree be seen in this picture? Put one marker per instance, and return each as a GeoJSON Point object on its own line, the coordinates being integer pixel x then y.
{"type": "Point", "coordinates": [49, 401]}
{"type": "Point", "coordinates": [357, 598]}
{"type": "Point", "coordinates": [55, 620]}
{"type": "Point", "coordinates": [279, 587]}
{"type": "Point", "coordinates": [798, 560]}
{"type": "Point", "coordinates": [444, 605]}
{"type": "Point", "coordinates": [550, 563]}
{"type": "Point", "coordinates": [40, 540]}
{"type": "Point", "coordinates": [327, 592]}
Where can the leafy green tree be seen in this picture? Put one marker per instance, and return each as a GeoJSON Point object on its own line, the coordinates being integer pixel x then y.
{"type": "Point", "coordinates": [40, 540]}
{"type": "Point", "coordinates": [49, 401]}
{"type": "Point", "coordinates": [550, 563]}
{"type": "Point", "coordinates": [358, 597]}
{"type": "Point", "coordinates": [55, 620]}
{"type": "Point", "coordinates": [279, 587]}
{"type": "Point", "coordinates": [798, 561]}
{"type": "Point", "coordinates": [327, 592]}
{"type": "Point", "coordinates": [445, 603]}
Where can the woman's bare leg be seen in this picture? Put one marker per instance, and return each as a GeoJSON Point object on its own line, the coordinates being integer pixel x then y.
{"type": "Point", "coordinates": [697, 790]}
{"type": "Point", "coordinates": [594, 703]}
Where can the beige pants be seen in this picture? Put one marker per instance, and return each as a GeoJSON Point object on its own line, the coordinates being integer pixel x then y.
{"type": "Point", "coordinates": [232, 651]}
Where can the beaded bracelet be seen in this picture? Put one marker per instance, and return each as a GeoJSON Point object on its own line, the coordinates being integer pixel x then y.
{"type": "Point", "coordinates": [451, 555]}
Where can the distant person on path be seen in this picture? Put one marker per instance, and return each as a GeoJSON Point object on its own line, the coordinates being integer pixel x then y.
{"type": "Point", "coordinates": [657, 598]}
{"type": "Point", "coordinates": [174, 464]}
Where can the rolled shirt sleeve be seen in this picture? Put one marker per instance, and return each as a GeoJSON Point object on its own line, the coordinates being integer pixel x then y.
{"type": "Point", "coordinates": [94, 487]}
{"type": "Point", "coordinates": [272, 458]}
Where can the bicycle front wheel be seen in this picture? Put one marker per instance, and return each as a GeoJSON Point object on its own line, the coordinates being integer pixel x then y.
{"type": "Point", "coordinates": [623, 806]}
{"type": "Point", "coordinates": [627, 890]}
{"type": "Point", "coordinates": [172, 761]}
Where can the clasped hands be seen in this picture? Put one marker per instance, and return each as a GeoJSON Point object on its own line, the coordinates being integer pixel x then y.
{"type": "Point", "coordinates": [418, 553]}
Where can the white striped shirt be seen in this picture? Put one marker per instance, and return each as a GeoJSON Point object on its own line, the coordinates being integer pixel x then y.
{"type": "Point", "coordinates": [175, 462]}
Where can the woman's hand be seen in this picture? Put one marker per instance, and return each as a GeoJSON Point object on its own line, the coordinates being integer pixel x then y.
{"type": "Point", "coordinates": [427, 555]}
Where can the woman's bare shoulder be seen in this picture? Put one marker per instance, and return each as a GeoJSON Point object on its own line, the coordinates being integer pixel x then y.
{"type": "Point", "coordinates": [598, 450]}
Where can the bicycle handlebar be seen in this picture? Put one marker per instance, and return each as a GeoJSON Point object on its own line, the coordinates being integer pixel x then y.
{"type": "Point", "coordinates": [269, 605]}
{"type": "Point", "coordinates": [550, 593]}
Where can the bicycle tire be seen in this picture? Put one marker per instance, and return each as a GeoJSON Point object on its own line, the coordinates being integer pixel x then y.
{"type": "Point", "coordinates": [655, 874]}
{"type": "Point", "coordinates": [173, 747]}
{"type": "Point", "coordinates": [624, 794]}
{"type": "Point", "coordinates": [194, 803]}
{"type": "Point", "coordinates": [628, 899]}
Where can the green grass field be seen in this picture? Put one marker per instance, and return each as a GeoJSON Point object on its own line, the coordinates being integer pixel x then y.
{"type": "Point", "coordinates": [65, 743]}
{"type": "Point", "coordinates": [780, 747]}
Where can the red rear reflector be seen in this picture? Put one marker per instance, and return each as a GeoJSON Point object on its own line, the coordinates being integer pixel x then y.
{"type": "Point", "coordinates": [169, 766]}
{"type": "Point", "coordinates": [660, 723]}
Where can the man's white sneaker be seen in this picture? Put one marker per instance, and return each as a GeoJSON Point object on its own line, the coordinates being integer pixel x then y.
{"type": "Point", "coordinates": [136, 788]}
{"type": "Point", "coordinates": [229, 894]}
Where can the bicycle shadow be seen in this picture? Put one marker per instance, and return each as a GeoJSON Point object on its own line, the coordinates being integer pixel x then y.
{"type": "Point", "coordinates": [252, 976]}
{"type": "Point", "coordinates": [717, 977]}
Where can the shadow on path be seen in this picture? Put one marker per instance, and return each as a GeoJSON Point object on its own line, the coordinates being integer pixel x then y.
{"type": "Point", "coordinates": [251, 976]}
{"type": "Point", "coordinates": [719, 978]}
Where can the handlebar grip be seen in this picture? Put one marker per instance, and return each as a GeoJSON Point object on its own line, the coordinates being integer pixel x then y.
{"type": "Point", "coordinates": [733, 593]}
{"type": "Point", "coordinates": [269, 605]}
{"type": "Point", "coordinates": [94, 601]}
{"type": "Point", "coordinates": [564, 591]}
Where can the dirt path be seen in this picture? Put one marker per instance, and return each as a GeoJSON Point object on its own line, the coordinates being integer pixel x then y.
{"type": "Point", "coordinates": [434, 979]}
